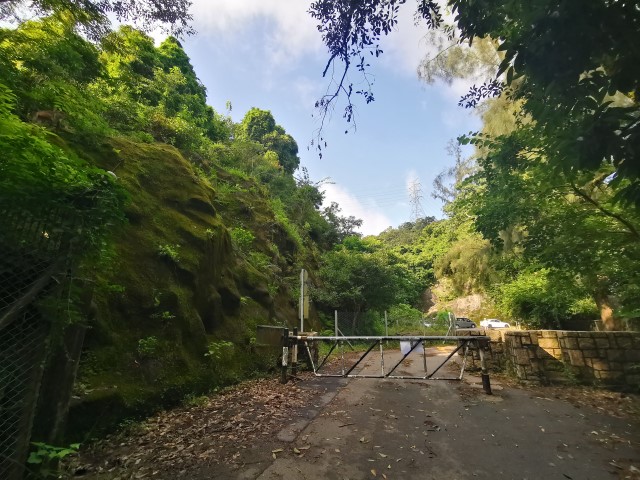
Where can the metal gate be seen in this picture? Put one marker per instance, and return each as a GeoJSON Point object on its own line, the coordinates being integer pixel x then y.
{"type": "Point", "coordinates": [292, 342]}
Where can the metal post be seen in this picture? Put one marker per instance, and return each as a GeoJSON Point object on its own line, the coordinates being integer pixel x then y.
{"type": "Point", "coordinates": [386, 325]}
{"type": "Point", "coordinates": [302, 278]}
{"type": "Point", "coordinates": [285, 355]}
{"type": "Point", "coordinates": [486, 383]}
{"type": "Point", "coordinates": [335, 315]}
{"type": "Point", "coordinates": [424, 355]}
{"type": "Point", "coordinates": [294, 353]}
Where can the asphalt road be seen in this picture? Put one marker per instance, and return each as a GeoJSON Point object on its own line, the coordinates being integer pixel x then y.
{"type": "Point", "coordinates": [406, 429]}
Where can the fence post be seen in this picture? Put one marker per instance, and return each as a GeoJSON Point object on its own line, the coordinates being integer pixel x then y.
{"type": "Point", "coordinates": [386, 325]}
{"type": "Point", "coordinates": [285, 355]}
{"type": "Point", "coordinates": [294, 353]}
{"type": "Point", "coordinates": [335, 315]}
{"type": "Point", "coordinates": [486, 383]}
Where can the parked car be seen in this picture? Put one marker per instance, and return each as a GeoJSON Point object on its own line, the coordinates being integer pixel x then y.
{"type": "Point", "coordinates": [464, 322]}
{"type": "Point", "coordinates": [494, 323]}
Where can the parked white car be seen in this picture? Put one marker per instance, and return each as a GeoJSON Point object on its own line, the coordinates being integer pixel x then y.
{"type": "Point", "coordinates": [494, 323]}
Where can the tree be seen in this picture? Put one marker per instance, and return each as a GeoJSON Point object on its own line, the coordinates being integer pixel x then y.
{"type": "Point", "coordinates": [569, 222]}
{"type": "Point", "coordinates": [356, 282]}
{"type": "Point", "coordinates": [341, 227]}
{"type": "Point", "coordinates": [49, 67]}
{"type": "Point", "coordinates": [260, 126]}
{"type": "Point", "coordinates": [582, 93]}
{"type": "Point", "coordinates": [447, 183]}
{"type": "Point", "coordinates": [93, 15]}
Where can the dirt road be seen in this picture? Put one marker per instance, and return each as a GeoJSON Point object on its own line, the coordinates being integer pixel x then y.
{"type": "Point", "coordinates": [393, 429]}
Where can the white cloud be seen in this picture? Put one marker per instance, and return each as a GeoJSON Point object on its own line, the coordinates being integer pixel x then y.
{"type": "Point", "coordinates": [406, 46]}
{"type": "Point", "coordinates": [374, 221]}
{"type": "Point", "coordinates": [306, 89]}
{"type": "Point", "coordinates": [291, 31]}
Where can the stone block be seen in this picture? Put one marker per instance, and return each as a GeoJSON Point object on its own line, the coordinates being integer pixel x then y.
{"type": "Point", "coordinates": [575, 358]}
{"type": "Point", "coordinates": [548, 343]}
{"type": "Point", "coordinates": [615, 355]}
{"type": "Point", "coordinates": [570, 343]}
{"type": "Point", "coordinates": [624, 341]}
{"type": "Point", "coordinates": [586, 342]}
{"type": "Point", "coordinates": [548, 334]}
{"type": "Point", "coordinates": [599, 364]}
{"type": "Point", "coordinates": [603, 343]}
{"type": "Point", "coordinates": [616, 366]}
{"type": "Point", "coordinates": [591, 353]}
{"type": "Point", "coordinates": [632, 356]}
{"type": "Point", "coordinates": [556, 353]}
{"type": "Point", "coordinates": [522, 357]}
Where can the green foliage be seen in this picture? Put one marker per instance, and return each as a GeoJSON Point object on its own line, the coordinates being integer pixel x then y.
{"type": "Point", "coordinates": [169, 252]}
{"type": "Point", "coordinates": [260, 261]}
{"type": "Point", "coordinates": [259, 126]}
{"type": "Point", "coordinates": [242, 239]}
{"type": "Point", "coordinates": [403, 319]}
{"type": "Point", "coordinates": [148, 347]}
{"type": "Point", "coordinates": [467, 264]}
{"type": "Point", "coordinates": [93, 15]}
{"type": "Point", "coordinates": [43, 461]}
{"type": "Point", "coordinates": [220, 351]}
{"type": "Point", "coordinates": [357, 280]}
{"type": "Point", "coordinates": [165, 316]}
{"type": "Point", "coordinates": [543, 299]}
{"type": "Point", "coordinates": [283, 220]}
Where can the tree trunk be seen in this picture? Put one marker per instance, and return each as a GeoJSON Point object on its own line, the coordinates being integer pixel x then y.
{"type": "Point", "coordinates": [603, 301]}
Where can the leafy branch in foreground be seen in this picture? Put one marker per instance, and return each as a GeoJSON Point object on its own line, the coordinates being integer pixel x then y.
{"type": "Point", "coordinates": [93, 15]}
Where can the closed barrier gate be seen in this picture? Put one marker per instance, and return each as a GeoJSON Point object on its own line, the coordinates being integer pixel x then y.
{"type": "Point", "coordinates": [293, 343]}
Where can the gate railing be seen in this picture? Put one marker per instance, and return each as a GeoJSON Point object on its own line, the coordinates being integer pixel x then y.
{"type": "Point", "coordinates": [291, 343]}
{"type": "Point", "coordinates": [412, 344]}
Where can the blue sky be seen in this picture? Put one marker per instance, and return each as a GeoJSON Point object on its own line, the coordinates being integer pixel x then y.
{"type": "Point", "coordinates": [268, 54]}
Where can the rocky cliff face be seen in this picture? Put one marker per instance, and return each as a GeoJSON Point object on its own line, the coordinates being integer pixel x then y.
{"type": "Point", "coordinates": [176, 301]}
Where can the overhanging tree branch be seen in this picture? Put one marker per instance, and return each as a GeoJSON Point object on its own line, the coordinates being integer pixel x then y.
{"type": "Point", "coordinates": [586, 197]}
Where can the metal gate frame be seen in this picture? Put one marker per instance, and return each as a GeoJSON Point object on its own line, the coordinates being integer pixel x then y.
{"type": "Point", "coordinates": [464, 344]}
{"type": "Point", "coordinates": [291, 341]}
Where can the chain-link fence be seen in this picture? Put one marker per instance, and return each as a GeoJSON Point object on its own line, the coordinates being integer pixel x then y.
{"type": "Point", "coordinates": [32, 261]}
{"type": "Point", "coordinates": [350, 324]}
{"type": "Point", "coordinates": [410, 322]}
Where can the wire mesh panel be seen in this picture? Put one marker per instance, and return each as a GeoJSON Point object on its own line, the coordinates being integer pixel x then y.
{"type": "Point", "coordinates": [22, 348]}
{"type": "Point", "coordinates": [30, 258]}
{"type": "Point", "coordinates": [358, 323]}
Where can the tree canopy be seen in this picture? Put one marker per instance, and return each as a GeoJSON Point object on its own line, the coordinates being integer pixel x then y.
{"type": "Point", "coordinates": [93, 15]}
{"type": "Point", "coordinates": [580, 90]}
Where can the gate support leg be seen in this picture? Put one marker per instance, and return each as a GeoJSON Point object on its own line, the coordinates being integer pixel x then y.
{"type": "Point", "coordinates": [294, 353]}
{"type": "Point", "coordinates": [486, 383]}
{"type": "Point", "coordinates": [285, 355]}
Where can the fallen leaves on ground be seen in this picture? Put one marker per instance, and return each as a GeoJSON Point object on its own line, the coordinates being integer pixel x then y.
{"type": "Point", "coordinates": [216, 432]}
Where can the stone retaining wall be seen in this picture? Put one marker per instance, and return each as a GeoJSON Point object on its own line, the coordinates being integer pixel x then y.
{"type": "Point", "coordinates": [558, 356]}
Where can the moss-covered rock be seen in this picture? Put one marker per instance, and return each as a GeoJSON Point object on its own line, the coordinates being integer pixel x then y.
{"type": "Point", "coordinates": [174, 284]}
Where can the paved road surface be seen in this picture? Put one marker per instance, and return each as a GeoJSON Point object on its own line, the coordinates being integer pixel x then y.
{"type": "Point", "coordinates": [399, 429]}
